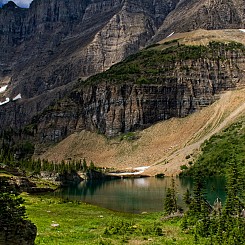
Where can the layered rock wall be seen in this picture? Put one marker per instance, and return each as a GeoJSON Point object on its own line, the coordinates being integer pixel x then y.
{"type": "Point", "coordinates": [206, 14]}
{"type": "Point", "coordinates": [50, 45]}
{"type": "Point", "coordinates": [46, 48]}
{"type": "Point", "coordinates": [112, 109]}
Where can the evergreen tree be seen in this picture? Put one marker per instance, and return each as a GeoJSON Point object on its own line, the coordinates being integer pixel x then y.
{"type": "Point", "coordinates": [170, 200]}
{"type": "Point", "coordinates": [187, 197]}
{"type": "Point", "coordinates": [197, 217]}
{"type": "Point", "coordinates": [92, 166]}
{"type": "Point", "coordinates": [11, 209]}
{"type": "Point", "coordinates": [85, 167]}
{"type": "Point", "coordinates": [231, 227]}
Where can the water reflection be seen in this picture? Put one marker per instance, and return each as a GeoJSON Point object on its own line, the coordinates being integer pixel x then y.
{"type": "Point", "coordinates": [136, 195]}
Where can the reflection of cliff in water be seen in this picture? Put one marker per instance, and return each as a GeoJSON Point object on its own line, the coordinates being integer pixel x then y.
{"type": "Point", "coordinates": [136, 195]}
{"type": "Point", "coordinates": [83, 189]}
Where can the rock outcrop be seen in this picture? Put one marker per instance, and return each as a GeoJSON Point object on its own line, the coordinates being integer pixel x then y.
{"type": "Point", "coordinates": [160, 84]}
{"type": "Point", "coordinates": [23, 233]}
{"type": "Point", "coordinates": [206, 14]}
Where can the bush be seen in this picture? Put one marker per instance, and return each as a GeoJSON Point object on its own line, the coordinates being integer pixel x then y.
{"type": "Point", "coordinates": [183, 167]}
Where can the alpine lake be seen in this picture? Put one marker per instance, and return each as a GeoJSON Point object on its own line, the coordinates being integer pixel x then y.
{"type": "Point", "coordinates": [137, 195]}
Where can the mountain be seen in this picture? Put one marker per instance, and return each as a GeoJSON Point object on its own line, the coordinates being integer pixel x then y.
{"type": "Point", "coordinates": [53, 43]}
{"type": "Point", "coordinates": [166, 146]}
{"type": "Point", "coordinates": [208, 14]}
{"type": "Point", "coordinates": [170, 79]}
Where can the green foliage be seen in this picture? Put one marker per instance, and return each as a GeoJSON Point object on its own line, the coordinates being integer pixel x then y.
{"type": "Point", "coordinates": [129, 136]}
{"type": "Point", "coordinates": [217, 150]}
{"type": "Point", "coordinates": [12, 211]}
{"type": "Point", "coordinates": [30, 129]}
{"type": "Point", "coordinates": [152, 46]}
{"type": "Point", "coordinates": [235, 188]}
{"type": "Point", "coordinates": [142, 80]}
{"type": "Point", "coordinates": [14, 147]}
{"type": "Point", "coordinates": [161, 175]}
{"type": "Point", "coordinates": [183, 167]}
{"type": "Point", "coordinates": [174, 41]}
{"type": "Point", "coordinates": [122, 227]}
{"type": "Point", "coordinates": [196, 217]}
{"type": "Point", "coordinates": [92, 166]}
{"type": "Point", "coordinates": [170, 200]}
{"type": "Point", "coordinates": [81, 223]}
{"type": "Point", "coordinates": [209, 226]}
{"type": "Point", "coordinates": [155, 64]}
{"type": "Point", "coordinates": [36, 166]}
{"type": "Point", "coordinates": [187, 197]}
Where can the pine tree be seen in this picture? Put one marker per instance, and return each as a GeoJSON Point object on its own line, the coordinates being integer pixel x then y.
{"type": "Point", "coordinates": [11, 209]}
{"type": "Point", "coordinates": [187, 197]}
{"type": "Point", "coordinates": [231, 227]}
{"type": "Point", "coordinates": [85, 167]}
{"type": "Point", "coordinates": [170, 200]}
{"type": "Point", "coordinates": [197, 217]}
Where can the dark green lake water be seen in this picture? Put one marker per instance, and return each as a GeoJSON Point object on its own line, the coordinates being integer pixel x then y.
{"type": "Point", "coordinates": [137, 195]}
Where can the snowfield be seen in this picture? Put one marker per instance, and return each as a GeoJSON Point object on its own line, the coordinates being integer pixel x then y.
{"type": "Point", "coordinates": [3, 89]}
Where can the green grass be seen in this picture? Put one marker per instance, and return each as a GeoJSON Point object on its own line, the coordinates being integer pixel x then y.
{"type": "Point", "coordinates": [5, 174]}
{"type": "Point", "coordinates": [81, 223]}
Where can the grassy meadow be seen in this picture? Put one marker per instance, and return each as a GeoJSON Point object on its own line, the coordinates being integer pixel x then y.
{"type": "Point", "coordinates": [59, 222]}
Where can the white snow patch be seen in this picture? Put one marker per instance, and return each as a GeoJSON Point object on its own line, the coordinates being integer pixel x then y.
{"type": "Point", "coordinates": [139, 170]}
{"type": "Point", "coordinates": [171, 34]}
{"type": "Point", "coordinates": [242, 30]}
{"type": "Point", "coordinates": [17, 97]}
{"type": "Point", "coordinates": [5, 102]}
{"type": "Point", "coordinates": [3, 89]}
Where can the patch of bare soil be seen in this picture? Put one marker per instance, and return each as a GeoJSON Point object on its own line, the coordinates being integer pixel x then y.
{"type": "Point", "coordinates": [164, 146]}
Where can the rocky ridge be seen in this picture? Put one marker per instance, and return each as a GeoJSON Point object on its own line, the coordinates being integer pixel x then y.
{"type": "Point", "coordinates": [162, 148]}
{"type": "Point", "coordinates": [47, 47]}
{"type": "Point", "coordinates": [161, 83]}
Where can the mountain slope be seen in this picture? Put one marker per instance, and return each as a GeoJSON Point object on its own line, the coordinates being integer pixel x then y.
{"type": "Point", "coordinates": [206, 14]}
{"type": "Point", "coordinates": [164, 146]}
{"type": "Point", "coordinates": [53, 43]}
{"type": "Point", "coordinates": [168, 80]}
{"type": "Point", "coordinates": [47, 47]}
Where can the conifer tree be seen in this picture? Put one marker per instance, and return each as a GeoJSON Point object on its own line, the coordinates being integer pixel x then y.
{"type": "Point", "coordinates": [85, 167]}
{"type": "Point", "coordinates": [11, 209]}
{"type": "Point", "coordinates": [170, 200]}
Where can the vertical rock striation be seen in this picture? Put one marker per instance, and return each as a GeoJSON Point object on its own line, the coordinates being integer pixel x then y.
{"type": "Point", "coordinates": [111, 108]}
{"type": "Point", "coordinates": [46, 48]}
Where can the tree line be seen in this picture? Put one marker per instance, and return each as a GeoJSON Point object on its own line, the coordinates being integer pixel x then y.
{"type": "Point", "coordinates": [217, 224]}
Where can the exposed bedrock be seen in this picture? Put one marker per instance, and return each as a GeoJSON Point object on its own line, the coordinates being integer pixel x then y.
{"type": "Point", "coordinates": [112, 109]}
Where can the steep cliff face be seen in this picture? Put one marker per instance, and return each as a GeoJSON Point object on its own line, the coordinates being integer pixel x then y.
{"type": "Point", "coordinates": [206, 14]}
{"type": "Point", "coordinates": [45, 48]}
{"type": "Point", "coordinates": [159, 84]}
{"type": "Point", "coordinates": [53, 43]}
